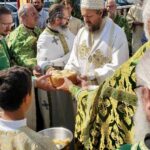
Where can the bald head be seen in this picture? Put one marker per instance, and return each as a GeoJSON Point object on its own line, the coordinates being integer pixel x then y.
{"type": "Point", "coordinates": [111, 8]}
{"type": "Point", "coordinates": [28, 15]}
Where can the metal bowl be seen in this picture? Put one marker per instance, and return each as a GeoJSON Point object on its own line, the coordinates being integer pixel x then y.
{"type": "Point", "coordinates": [58, 135]}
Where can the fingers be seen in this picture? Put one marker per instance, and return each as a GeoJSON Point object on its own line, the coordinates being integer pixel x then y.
{"type": "Point", "coordinates": [82, 77]}
{"type": "Point", "coordinates": [37, 71]}
{"type": "Point", "coordinates": [60, 87]}
{"type": "Point", "coordinates": [37, 74]}
{"type": "Point", "coordinates": [45, 76]}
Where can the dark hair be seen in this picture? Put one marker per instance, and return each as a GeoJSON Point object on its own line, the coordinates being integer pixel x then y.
{"type": "Point", "coordinates": [15, 84]}
{"type": "Point", "coordinates": [55, 11]}
{"type": "Point", "coordinates": [66, 2]}
{"type": "Point", "coordinates": [4, 11]}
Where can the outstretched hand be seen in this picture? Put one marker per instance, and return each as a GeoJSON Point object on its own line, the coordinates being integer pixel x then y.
{"type": "Point", "coordinates": [43, 83]}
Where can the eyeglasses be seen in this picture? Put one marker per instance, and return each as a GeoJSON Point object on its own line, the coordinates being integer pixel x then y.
{"type": "Point", "coordinates": [7, 24]}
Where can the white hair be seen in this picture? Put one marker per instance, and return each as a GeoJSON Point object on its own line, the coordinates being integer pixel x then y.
{"type": "Point", "coordinates": [143, 70]}
{"type": "Point", "coordinates": [146, 17]}
{"type": "Point", "coordinates": [138, 1]}
{"type": "Point", "coordinates": [107, 1]}
{"type": "Point", "coordinates": [110, 0]}
{"type": "Point", "coordinates": [142, 125]}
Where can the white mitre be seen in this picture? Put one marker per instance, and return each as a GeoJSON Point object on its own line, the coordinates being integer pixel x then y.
{"type": "Point", "coordinates": [92, 4]}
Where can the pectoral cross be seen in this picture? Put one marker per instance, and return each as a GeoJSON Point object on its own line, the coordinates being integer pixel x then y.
{"type": "Point", "coordinates": [45, 104]}
{"type": "Point", "coordinates": [55, 40]}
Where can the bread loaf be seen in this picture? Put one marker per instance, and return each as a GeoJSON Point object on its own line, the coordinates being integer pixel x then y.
{"type": "Point", "coordinates": [57, 78]}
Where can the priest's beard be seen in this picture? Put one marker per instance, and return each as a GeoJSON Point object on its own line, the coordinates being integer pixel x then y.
{"type": "Point", "coordinates": [92, 27]}
{"type": "Point", "coordinates": [142, 126]}
{"type": "Point", "coordinates": [61, 28]}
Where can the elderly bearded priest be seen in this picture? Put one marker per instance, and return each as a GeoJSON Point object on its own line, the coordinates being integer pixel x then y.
{"type": "Point", "coordinates": [142, 115]}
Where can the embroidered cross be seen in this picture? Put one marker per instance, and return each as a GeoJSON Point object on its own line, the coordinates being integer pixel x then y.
{"type": "Point", "coordinates": [55, 40]}
{"type": "Point", "coordinates": [45, 104]}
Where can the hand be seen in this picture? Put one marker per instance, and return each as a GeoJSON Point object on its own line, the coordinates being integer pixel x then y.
{"type": "Point", "coordinates": [82, 80]}
{"type": "Point", "coordinates": [43, 83]}
{"type": "Point", "coordinates": [67, 83]}
{"type": "Point", "coordinates": [37, 71]}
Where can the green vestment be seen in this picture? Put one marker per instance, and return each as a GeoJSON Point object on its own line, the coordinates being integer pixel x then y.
{"type": "Point", "coordinates": [104, 117]}
{"type": "Point", "coordinates": [22, 43]}
{"type": "Point", "coordinates": [4, 55]}
{"type": "Point", "coordinates": [138, 146]}
{"type": "Point", "coordinates": [123, 23]}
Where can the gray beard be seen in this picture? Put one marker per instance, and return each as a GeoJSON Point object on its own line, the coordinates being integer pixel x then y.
{"type": "Point", "coordinates": [62, 29]}
{"type": "Point", "coordinates": [142, 126]}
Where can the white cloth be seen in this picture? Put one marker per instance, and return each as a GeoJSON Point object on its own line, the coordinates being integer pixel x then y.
{"type": "Point", "coordinates": [50, 50]}
{"type": "Point", "coordinates": [109, 47]}
{"type": "Point", "coordinates": [12, 125]}
{"type": "Point", "coordinates": [43, 16]}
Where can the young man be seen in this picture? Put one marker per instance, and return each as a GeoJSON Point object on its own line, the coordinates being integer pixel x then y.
{"type": "Point", "coordinates": [15, 99]}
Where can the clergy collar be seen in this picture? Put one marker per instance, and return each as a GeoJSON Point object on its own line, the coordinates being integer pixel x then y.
{"type": "Point", "coordinates": [12, 125]}
{"type": "Point", "coordinates": [29, 27]}
{"type": "Point", "coordinates": [52, 30]}
{"type": "Point", "coordinates": [147, 140]}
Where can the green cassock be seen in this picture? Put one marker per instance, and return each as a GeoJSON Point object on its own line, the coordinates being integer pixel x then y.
{"type": "Point", "coordinates": [22, 44]}
{"type": "Point", "coordinates": [104, 117]}
{"type": "Point", "coordinates": [4, 55]}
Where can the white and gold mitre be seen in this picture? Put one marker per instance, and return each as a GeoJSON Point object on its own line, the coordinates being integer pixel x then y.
{"type": "Point", "coordinates": [92, 4]}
